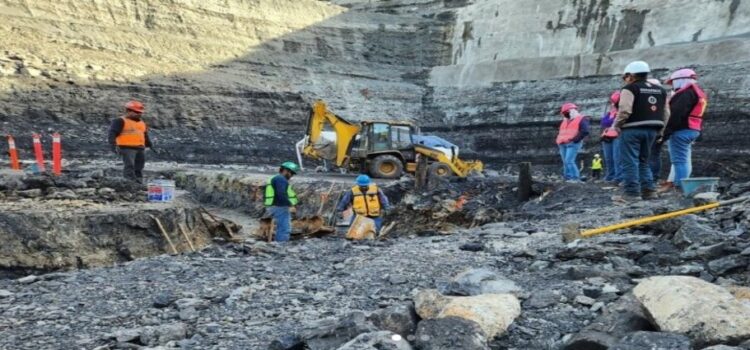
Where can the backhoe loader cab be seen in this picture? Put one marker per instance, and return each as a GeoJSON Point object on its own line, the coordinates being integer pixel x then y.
{"type": "Point", "coordinates": [382, 149]}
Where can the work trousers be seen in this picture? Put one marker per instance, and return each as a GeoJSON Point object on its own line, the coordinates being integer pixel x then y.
{"type": "Point", "coordinates": [283, 219]}
{"type": "Point", "coordinates": [680, 153]}
{"type": "Point", "coordinates": [609, 160]}
{"type": "Point", "coordinates": [654, 160]}
{"type": "Point", "coordinates": [568, 153]}
{"type": "Point", "coordinates": [133, 161]}
{"type": "Point", "coordinates": [634, 152]}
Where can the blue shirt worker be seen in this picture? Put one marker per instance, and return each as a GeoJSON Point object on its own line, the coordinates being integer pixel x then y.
{"type": "Point", "coordinates": [280, 199]}
{"type": "Point", "coordinates": [366, 199]}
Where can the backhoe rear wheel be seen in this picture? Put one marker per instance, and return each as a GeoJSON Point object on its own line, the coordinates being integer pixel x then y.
{"type": "Point", "coordinates": [386, 167]}
{"type": "Point", "coordinates": [440, 170]}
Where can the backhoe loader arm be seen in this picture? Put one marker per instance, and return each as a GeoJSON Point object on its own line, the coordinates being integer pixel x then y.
{"type": "Point", "coordinates": [345, 132]}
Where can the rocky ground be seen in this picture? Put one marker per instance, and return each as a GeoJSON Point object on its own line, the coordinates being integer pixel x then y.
{"type": "Point", "coordinates": [508, 282]}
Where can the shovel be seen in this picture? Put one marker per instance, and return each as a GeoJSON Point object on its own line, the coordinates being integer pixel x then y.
{"type": "Point", "coordinates": [571, 232]}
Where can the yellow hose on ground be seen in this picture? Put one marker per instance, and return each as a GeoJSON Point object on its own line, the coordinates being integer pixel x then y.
{"type": "Point", "coordinates": [650, 219]}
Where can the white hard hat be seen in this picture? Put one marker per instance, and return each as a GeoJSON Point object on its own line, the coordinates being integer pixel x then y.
{"type": "Point", "coordinates": [636, 67]}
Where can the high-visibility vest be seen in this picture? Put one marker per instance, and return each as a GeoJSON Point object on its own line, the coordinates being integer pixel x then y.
{"type": "Point", "coordinates": [368, 203]}
{"type": "Point", "coordinates": [695, 120]}
{"type": "Point", "coordinates": [133, 133]}
{"type": "Point", "coordinates": [596, 164]}
{"type": "Point", "coordinates": [271, 193]}
{"type": "Point", "coordinates": [568, 129]}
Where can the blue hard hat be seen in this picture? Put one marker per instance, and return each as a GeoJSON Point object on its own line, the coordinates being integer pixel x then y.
{"type": "Point", "coordinates": [363, 180]}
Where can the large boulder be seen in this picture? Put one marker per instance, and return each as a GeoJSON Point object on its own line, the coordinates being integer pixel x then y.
{"type": "Point", "coordinates": [707, 313]}
{"type": "Point", "coordinates": [450, 333]}
{"type": "Point", "coordinates": [480, 281]}
{"type": "Point", "coordinates": [492, 312]}
{"type": "Point", "coordinates": [381, 340]}
{"type": "Point", "coordinates": [653, 341]}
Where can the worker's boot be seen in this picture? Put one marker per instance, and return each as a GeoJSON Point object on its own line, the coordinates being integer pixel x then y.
{"type": "Point", "coordinates": [626, 198]}
{"type": "Point", "coordinates": [649, 195]}
{"type": "Point", "coordinates": [665, 187]}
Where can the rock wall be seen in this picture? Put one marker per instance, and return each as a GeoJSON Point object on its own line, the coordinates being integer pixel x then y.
{"type": "Point", "coordinates": [232, 81]}
{"type": "Point", "coordinates": [514, 63]}
{"type": "Point", "coordinates": [229, 81]}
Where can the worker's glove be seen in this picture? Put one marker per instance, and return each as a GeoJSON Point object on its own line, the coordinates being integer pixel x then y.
{"type": "Point", "coordinates": [154, 150]}
{"type": "Point", "coordinates": [293, 210]}
{"type": "Point", "coordinates": [115, 149]}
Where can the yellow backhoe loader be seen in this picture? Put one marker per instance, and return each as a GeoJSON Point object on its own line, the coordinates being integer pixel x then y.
{"type": "Point", "coordinates": [383, 149]}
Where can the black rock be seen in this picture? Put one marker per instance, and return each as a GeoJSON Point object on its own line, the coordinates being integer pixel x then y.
{"type": "Point", "coordinates": [472, 247]}
{"type": "Point", "coordinates": [330, 334]}
{"type": "Point", "coordinates": [450, 333]}
{"type": "Point", "coordinates": [164, 299]}
{"type": "Point", "coordinates": [399, 319]}
{"type": "Point", "coordinates": [541, 299]}
{"type": "Point", "coordinates": [696, 233]}
{"type": "Point", "coordinates": [653, 341]}
{"type": "Point", "coordinates": [590, 340]}
{"type": "Point", "coordinates": [287, 342]}
{"type": "Point", "coordinates": [728, 264]}
{"type": "Point", "coordinates": [622, 317]}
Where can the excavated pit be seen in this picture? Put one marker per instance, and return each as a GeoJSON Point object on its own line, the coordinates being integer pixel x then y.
{"type": "Point", "coordinates": [90, 219]}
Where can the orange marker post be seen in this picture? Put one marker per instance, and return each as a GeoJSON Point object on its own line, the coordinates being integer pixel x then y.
{"type": "Point", "coordinates": [56, 154]}
{"type": "Point", "coordinates": [14, 164]}
{"type": "Point", "coordinates": [38, 152]}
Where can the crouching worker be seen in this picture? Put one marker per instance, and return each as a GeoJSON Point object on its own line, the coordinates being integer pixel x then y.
{"type": "Point", "coordinates": [366, 199]}
{"type": "Point", "coordinates": [280, 199]}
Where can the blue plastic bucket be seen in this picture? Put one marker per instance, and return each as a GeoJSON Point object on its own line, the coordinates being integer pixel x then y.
{"type": "Point", "coordinates": [160, 190]}
{"type": "Point", "coordinates": [704, 184]}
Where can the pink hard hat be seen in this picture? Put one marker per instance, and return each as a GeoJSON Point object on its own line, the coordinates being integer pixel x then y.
{"type": "Point", "coordinates": [615, 97]}
{"type": "Point", "coordinates": [685, 73]}
{"type": "Point", "coordinates": [566, 107]}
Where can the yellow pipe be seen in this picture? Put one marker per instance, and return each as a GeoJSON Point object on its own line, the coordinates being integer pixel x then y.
{"type": "Point", "coordinates": [650, 219]}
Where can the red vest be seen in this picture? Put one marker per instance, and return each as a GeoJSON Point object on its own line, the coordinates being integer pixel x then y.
{"type": "Point", "coordinates": [568, 129]}
{"type": "Point", "coordinates": [695, 120]}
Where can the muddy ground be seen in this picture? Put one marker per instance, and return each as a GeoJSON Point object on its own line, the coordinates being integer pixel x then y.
{"type": "Point", "coordinates": [256, 295]}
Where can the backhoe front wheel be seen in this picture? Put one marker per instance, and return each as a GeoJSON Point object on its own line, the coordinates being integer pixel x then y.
{"type": "Point", "coordinates": [440, 170]}
{"type": "Point", "coordinates": [386, 167]}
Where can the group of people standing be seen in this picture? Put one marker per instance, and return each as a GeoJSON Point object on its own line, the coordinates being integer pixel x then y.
{"type": "Point", "coordinates": [642, 116]}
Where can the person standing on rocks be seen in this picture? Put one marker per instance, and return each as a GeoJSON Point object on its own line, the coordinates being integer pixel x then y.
{"type": "Point", "coordinates": [610, 142]}
{"type": "Point", "coordinates": [573, 129]}
{"type": "Point", "coordinates": [641, 117]}
{"type": "Point", "coordinates": [687, 106]}
{"type": "Point", "coordinates": [280, 199]}
{"type": "Point", "coordinates": [366, 199]}
{"type": "Point", "coordinates": [654, 161]}
{"type": "Point", "coordinates": [128, 137]}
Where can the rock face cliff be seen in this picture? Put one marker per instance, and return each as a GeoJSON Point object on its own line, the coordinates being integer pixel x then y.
{"type": "Point", "coordinates": [232, 81]}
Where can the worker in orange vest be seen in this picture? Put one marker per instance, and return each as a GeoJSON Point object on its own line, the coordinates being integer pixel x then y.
{"type": "Point", "coordinates": [573, 129]}
{"type": "Point", "coordinates": [128, 137]}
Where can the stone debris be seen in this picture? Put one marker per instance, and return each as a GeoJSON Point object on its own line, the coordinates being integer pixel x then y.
{"type": "Point", "coordinates": [653, 341]}
{"type": "Point", "coordinates": [480, 281]}
{"type": "Point", "coordinates": [707, 313]}
{"type": "Point", "coordinates": [449, 333]}
{"type": "Point", "coordinates": [525, 289]}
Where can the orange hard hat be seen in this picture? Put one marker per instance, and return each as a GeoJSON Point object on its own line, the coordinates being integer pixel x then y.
{"type": "Point", "coordinates": [135, 106]}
